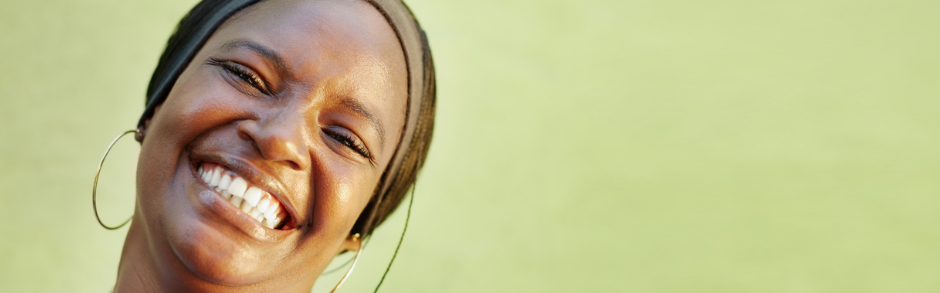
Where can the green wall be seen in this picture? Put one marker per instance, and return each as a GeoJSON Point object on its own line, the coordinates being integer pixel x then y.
{"type": "Point", "coordinates": [581, 146]}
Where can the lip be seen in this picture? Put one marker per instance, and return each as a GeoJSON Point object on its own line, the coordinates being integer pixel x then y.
{"type": "Point", "coordinates": [256, 177]}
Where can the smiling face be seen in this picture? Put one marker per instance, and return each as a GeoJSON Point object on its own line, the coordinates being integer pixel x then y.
{"type": "Point", "coordinates": [270, 144]}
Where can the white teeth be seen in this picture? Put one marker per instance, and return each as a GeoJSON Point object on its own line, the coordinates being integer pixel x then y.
{"type": "Point", "coordinates": [280, 216]}
{"type": "Point", "coordinates": [253, 195]}
{"type": "Point", "coordinates": [272, 210]}
{"type": "Point", "coordinates": [269, 222]}
{"type": "Point", "coordinates": [238, 187]}
{"type": "Point", "coordinates": [249, 199]}
{"type": "Point", "coordinates": [225, 182]}
{"type": "Point", "coordinates": [246, 207]}
{"type": "Point", "coordinates": [273, 221]}
{"type": "Point", "coordinates": [236, 200]}
{"type": "Point", "coordinates": [216, 176]}
{"type": "Point", "coordinates": [263, 204]}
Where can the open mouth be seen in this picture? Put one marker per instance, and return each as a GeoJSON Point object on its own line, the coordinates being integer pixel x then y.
{"type": "Point", "coordinates": [250, 199]}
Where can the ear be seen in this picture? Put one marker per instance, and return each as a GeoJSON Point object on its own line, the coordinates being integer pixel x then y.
{"type": "Point", "coordinates": [142, 130]}
{"type": "Point", "coordinates": [352, 243]}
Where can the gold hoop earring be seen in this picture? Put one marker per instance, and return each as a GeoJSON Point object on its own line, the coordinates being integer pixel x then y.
{"type": "Point", "coordinates": [355, 237]}
{"type": "Point", "coordinates": [94, 187]}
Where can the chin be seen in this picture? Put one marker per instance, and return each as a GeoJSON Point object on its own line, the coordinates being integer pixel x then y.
{"type": "Point", "coordinates": [214, 258]}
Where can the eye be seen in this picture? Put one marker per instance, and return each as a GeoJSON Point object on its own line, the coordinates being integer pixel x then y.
{"type": "Point", "coordinates": [243, 73]}
{"type": "Point", "coordinates": [348, 140]}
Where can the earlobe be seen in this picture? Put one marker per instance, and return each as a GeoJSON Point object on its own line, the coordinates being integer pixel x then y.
{"type": "Point", "coordinates": [139, 134]}
{"type": "Point", "coordinates": [352, 243]}
{"type": "Point", "coordinates": [142, 130]}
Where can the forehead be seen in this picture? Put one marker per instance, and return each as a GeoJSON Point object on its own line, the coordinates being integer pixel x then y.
{"type": "Point", "coordinates": [345, 45]}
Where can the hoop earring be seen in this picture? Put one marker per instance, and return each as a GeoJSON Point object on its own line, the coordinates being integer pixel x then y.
{"type": "Point", "coordinates": [94, 187]}
{"type": "Point", "coordinates": [400, 239]}
{"type": "Point", "coordinates": [355, 237]}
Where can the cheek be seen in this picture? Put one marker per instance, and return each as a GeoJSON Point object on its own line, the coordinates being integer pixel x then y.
{"type": "Point", "coordinates": [199, 103]}
{"type": "Point", "coordinates": [196, 103]}
{"type": "Point", "coordinates": [342, 193]}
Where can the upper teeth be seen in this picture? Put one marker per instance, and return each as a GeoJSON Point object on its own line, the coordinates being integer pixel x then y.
{"type": "Point", "coordinates": [250, 199]}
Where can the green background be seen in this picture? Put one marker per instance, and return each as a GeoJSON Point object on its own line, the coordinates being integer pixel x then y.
{"type": "Point", "coordinates": [580, 146]}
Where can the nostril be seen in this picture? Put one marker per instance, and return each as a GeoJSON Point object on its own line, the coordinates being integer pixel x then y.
{"type": "Point", "coordinates": [243, 127]}
{"type": "Point", "coordinates": [295, 166]}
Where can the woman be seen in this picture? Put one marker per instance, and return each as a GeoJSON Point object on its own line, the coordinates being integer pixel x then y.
{"type": "Point", "coordinates": [277, 134]}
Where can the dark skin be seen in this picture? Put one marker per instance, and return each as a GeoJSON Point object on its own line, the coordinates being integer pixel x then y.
{"type": "Point", "coordinates": [304, 99]}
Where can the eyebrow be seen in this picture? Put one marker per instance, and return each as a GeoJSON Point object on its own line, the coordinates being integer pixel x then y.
{"type": "Point", "coordinates": [260, 49]}
{"type": "Point", "coordinates": [357, 107]}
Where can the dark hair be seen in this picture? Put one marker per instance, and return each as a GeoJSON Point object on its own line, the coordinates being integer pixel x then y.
{"type": "Point", "coordinates": [193, 31]}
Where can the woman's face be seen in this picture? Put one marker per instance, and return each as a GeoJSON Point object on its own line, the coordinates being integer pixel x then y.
{"type": "Point", "coordinates": [304, 102]}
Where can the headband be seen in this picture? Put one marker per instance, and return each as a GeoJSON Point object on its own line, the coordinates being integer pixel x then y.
{"type": "Point", "coordinates": [208, 15]}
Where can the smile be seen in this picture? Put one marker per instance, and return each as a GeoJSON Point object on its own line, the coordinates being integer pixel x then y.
{"type": "Point", "coordinates": [246, 197]}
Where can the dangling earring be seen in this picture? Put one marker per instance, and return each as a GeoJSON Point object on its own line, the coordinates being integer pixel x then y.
{"type": "Point", "coordinates": [94, 189]}
{"type": "Point", "coordinates": [355, 237]}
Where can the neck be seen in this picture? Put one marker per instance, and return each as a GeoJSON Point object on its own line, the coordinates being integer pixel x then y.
{"type": "Point", "coordinates": [137, 271]}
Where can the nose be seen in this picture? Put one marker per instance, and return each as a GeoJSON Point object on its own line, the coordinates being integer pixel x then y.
{"type": "Point", "coordinates": [278, 138]}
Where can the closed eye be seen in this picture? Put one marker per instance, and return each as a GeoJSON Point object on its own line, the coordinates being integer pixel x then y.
{"type": "Point", "coordinates": [243, 73]}
{"type": "Point", "coordinates": [349, 141]}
